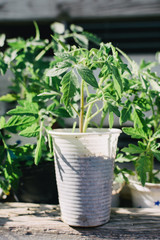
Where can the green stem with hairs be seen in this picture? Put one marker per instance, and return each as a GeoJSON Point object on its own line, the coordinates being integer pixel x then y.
{"type": "Point", "coordinates": [87, 117]}
{"type": "Point", "coordinates": [81, 107]}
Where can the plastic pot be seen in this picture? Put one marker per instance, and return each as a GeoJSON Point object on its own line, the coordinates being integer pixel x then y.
{"type": "Point", "coordinates": [84, 171]}
{"type": "Point", "coordinates": [145, 197]}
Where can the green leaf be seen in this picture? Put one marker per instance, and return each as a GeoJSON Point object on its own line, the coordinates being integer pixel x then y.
{"type": "Point", "coordinates": [138, 118]}
{"type": "Point", "coordinates": [81, 40]}
{"type": "Point", "coordinates": [76, 28]}
{"type": "Point", "coordinates": [111, 119]}
{"type": "Point", "coordinates": [117, 81]}
{"type": "Point", "coordinates": [2, 122]}
{"type": "Point", "coordinates": [156, 134]}
{"type": "Point", "coordinates": [133, 149]}
{"type": "Point", "coordinates": [64, 56]}
{"type": "Point", "coordinates": [113, 108]}
{"type": "Point", "coordinates": [135, 132]}
{"type": "Point", "coordinates": [49, 94]}
{"type": "Point", "coordinates": [62, 44]}
{"type": "Point", "coordinates": [87, 75]}
{"type": "Point", "coordinates": [70, 85]}
{"type": "Point", "coordinates": [59, 69]}
{"type": "Point", "coordinates": [60, 112]}
{"type": "Point", "coordinates": [155, 86]}
{"type": "Point", "coordinates": [92, 37]}
{"type": "Point", "coordinates": [19, 121]}
{"type": "Point", "coordinates": [125, 114]}
{"type": "Point", "coordinates": [8, 98]}
{"type": "Point", "coordinates": [128, 158]}
{"type": "Point", "coordinates": [147, 65]}
{"type": "Point", "coordinates": [16, 43]}
{"type": "Point", "coordinates": [142, 168]}
{"type": "Point", "coordinates": [31, 131]}
{"type": "Point", "coordinates": [27, 109]}
{"type": "Point", "coordinates": [56, 72]}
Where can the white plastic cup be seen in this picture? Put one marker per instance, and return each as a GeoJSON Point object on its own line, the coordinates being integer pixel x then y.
{"type": "Point", "coordinates": [84, 165]}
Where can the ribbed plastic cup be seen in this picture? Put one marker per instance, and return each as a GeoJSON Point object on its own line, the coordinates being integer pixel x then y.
{"type": "Point", "coordinates": [84, 171]}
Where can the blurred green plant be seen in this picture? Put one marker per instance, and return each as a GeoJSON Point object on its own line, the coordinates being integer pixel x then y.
{"type": "Point", "coordinates": [142, 107]}
{"type": "Point", "coordinates": [35, 112]}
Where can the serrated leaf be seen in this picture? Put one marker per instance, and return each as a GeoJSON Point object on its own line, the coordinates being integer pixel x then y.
{"type": "Point", "coordinates": [142, 168]}
{"type": "Point", "coordinates": [60, 112]}
{"type": "Point", "coordinates": [135, 132]}
{"type": "Point", "coordinates": [56, 71]}
{"type": "Point", "coordinates": [31, 131]}
{"type": "Point", "coordinates": [138, 118]}
{"type": "Point", "coordinates": [92, 37]}
{"type": "Point", "coordinates": [70, 110]}
{"type": "Point", "coordinates": [49, 94]}
{"type": "Point", "coordinates": [154, 85]}
{"type": "Point", "coordinates": [27, 109]}
{"type": "Point", "coordinates": [133, 149]}
{"type": "Point", "coordinates": [65, 56]}
{"type": "Point", "coordinates": [113, 108]}
{"type": "Point", "coordinates": [19, 121]}
{"type": "Point", "coordinates": [125, 114]}
{"type": "Point", "coordinates": [87, 75]}
{"type": "Point", "coordinates": [128, 158]}
{"type": "Point", "coordinates": [156, 134]}
{"type": "Point", "coordinates": [126, 111]}
{"type": "Point", "coordinates": [70, 85]}
{"type": "Point", "coordinates": [117, 81]}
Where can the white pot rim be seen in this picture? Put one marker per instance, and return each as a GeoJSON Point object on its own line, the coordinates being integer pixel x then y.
{"type": "Point", "coordinates": [147, 184]}
{"type": "Point", "coordinates": [90, 131]}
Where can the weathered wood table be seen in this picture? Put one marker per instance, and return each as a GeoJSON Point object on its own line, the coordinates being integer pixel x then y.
{"type": "Point", "coordinates": [41, 221]}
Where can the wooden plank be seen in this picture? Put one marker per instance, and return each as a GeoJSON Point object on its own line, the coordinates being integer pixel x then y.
{"type": "Point", "coordinates": [49, 9]}
{"type": "Point", "coordinates": [42, 219]}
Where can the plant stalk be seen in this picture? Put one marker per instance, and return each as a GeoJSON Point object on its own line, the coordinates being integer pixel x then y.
{"type": "Point", "coordinates": [151, 169]}
{"type": "Point", "coordinates": [81, 107]}
{"type": "Point", "coordinates": [87, 117]}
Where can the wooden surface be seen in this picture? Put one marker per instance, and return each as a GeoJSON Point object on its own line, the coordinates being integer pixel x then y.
{"type": "Point", "coordinates": [39, 221]}
{"type": "Point", "coordinates": [51, 9]}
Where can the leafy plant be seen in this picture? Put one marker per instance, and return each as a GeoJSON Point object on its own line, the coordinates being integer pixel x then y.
{"type": "Point", "coordinates": [27, 60]}
{"type": "Point", "coordinates": [76, 69]}
{"type": "Point", "coordinates": [142, 107]}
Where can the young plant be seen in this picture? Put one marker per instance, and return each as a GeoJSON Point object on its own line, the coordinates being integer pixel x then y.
{"type": "Point", "coordinates": [27, 61]}
{"type": "Point", "coordinates": [82, 94]}
{"type": "Point", "coordinates": [142, 107]}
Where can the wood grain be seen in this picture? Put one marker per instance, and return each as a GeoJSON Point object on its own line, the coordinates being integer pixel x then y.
{"type": "Point", "coordinates": [49, 9]}
{"type": "Point", "coordinates": [39, 219]}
